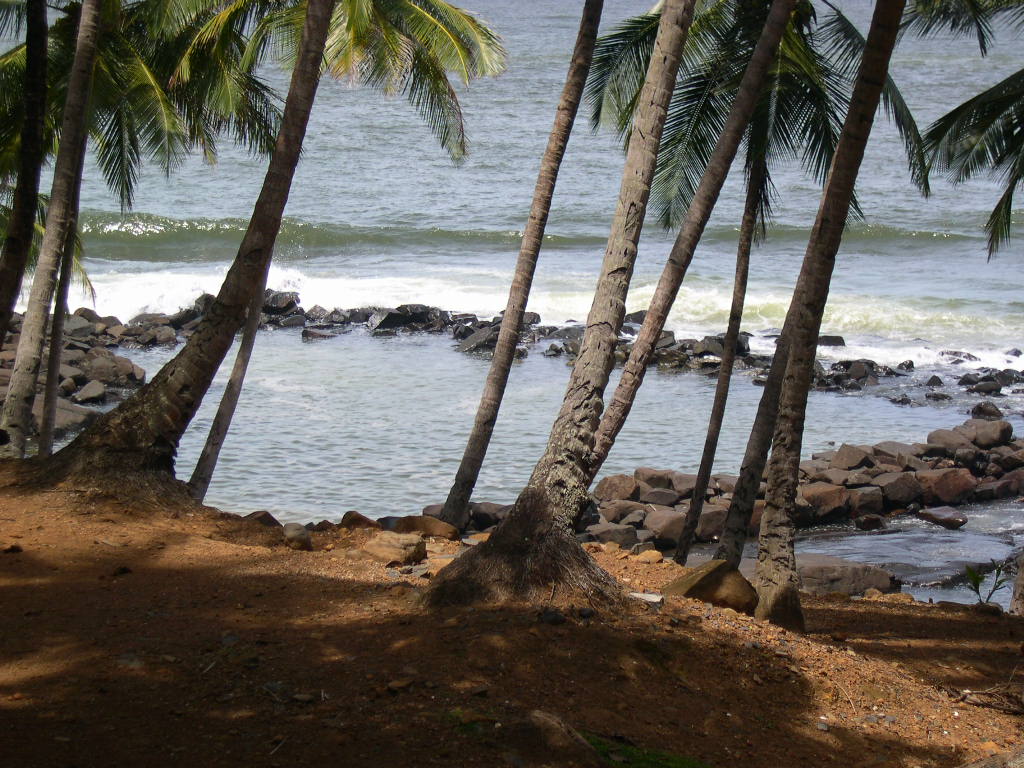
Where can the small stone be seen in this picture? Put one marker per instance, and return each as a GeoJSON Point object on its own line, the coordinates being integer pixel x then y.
{"type": "Point", "coordinates": [650, 556]}
{"type": "Point", "coordinates": [552, 616]}
{"type": "Point", "coordinates": [297, 537]}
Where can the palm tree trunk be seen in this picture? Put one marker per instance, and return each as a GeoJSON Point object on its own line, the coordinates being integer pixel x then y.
{"type": "Point", "coordinates": [142, 434]}
{"type": "Point", "coordinates": [21, 227]}
{"type": "Point", "coordinates": [16, 416]}
{"type": "Point", "coordinates": [199, 483]}
{"type": "Point", "coordinates": [456, 506]}
{"type": "Point", "coordinates": [697, 216]}
{"type": "Point", "coordinates": [755, 456]}
{"type": "Point", "coordinates": [535, 548]}
{"type": "Point", "coordinates": [777, 579]}
{"type": "Point", "coordinates": [60, 311]}
{"type": "Point", "coordinates": [1017, 600]}
{"type": "Point", "coordinates": [732, 334]}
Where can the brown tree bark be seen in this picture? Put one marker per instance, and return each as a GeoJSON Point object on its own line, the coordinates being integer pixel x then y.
{"type": "Point", "coordinates": [697, 216]}
{"type": "Point", "coordinates": [755, 456]}
{"type": "Point", "coordinates": [60, 311]}
{"type": "Point", "coordinates": [456, 506]}
{"type": "Point", "coordinates": [142, 434]}
{"type": "Point", "coordinates": [1017, 600]}
{"type": "Point", "coordinates": [748, 225]}
{"type": "Point", "coordinates": [777, 579]}
{"type": "Point", "coordinates": [534, 549]}
{"type": "Point", "coordinates": [21, 227]}
{"type": "Point", "coordinates": [16, 416]}
{"type": "Point", "coordinates": [199, 483]}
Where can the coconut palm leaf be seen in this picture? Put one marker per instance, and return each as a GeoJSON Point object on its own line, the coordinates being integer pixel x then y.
{"type": "Point", "coordinates": [983, 135]}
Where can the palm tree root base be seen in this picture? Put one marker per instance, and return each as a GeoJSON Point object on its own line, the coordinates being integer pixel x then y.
{"type": "Point", "coordinates": [525, 560]}
{"type": "Point", "coordinates": [780, 604]}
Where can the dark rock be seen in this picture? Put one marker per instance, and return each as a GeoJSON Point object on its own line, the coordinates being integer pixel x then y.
{"type": "Point", "coordinates": [666, 497]}
{"type": "Point", "coordinates": [93, 392]}
{"type": "Point", "coordinates": [831, 341]}
{"type": "Point", "coordinates": [353, 520]}
{"type": "Point", "coordinates": [314, 334]}
{"type": "Point", "coordinates": [623, 535]}
{"type": "Point", "coordinates": [825, 499]}
{"type": "Point", "coordinates": [279, 302]}
{"type": "Point", "coordinates": [485, 514]}
{"type": "Point", "coordinates": [428, 526]}
{"type": "Point", "coordinates": [869, 522]}
{"type": "Point", "coordinates": [655, 478]}
{"type": "Point", "coordinates": [937, 396]}
{"type": "Point", "coordinates": [297, 537]}
{"type": "Point", "coordinates": [947, 517]}
{"type": "Point", "coordinates": [711, 523]}
{"type": "Point", "coordinates": [869, 500]}
{"type": "Point", "coordinates": [614, 511]}
{"type": "Point", "coordinates": [906, 365]}
{"type": "Point", "coordinates": [959, 354]}
{"type": "Point", "coordinates": [850, 457]}
{"type": "Point", "coordinates": [666, 523]}
{"type": "Point", "coordinates": [483, 339]}
{"type": "Point", "coordinates": [638, 317]}
{"type": "Point", "coordinates": [986, 388]}
{"type": "Point", "coordinates": [934, 381]}
{"type": "Point", "coordinates": [292, 321]}
{"type": "Point", "coordinates": [263, 518]}
{"type": "Point", "coordinates": [946, 486]}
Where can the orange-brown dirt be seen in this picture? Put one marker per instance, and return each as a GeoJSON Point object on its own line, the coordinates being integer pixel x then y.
{"type": "Point", "coordinates": [141, 634]}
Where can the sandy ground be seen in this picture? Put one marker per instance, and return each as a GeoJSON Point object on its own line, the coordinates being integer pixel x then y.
{"type": "Point", "coordinates": [140, 635]}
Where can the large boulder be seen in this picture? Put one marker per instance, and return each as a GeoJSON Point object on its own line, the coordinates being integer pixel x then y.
{"type": "Point", "coordinates": [946, 486]}
{"type": "Point", "coordinates": [825, 499]}
{"type": "Point", "coordinates": [850, 457]}
{"type": "Point", "coordinates": [868, 500]}
{"type": "Point", "coordinates": [718, 583]}
{"type": "Point", "coordinates": [683, 484]}
{"type": "Point", "coordinates": [821, 574]}
{"type": "Point", "coordinates": [397, 548]}
{"type": "Point", "coordinates": [428, 526]}
{"type": "Point", "coordinates": [482, 339]}
{"type": "Point", "coordinates": [615, 487]}
{"type": "Point", "coordinates": [947, 517]}
{"type": "Point", "coordinates": [711, 523]}
{"type": "Point", "coordinates": [655, 478]}
{"type": "Point", "coordinates": [665, 497]}
{"type": "Point", "coordinates": [353, 519]}
{"type": "Point", "coordinates": [296, 536]}
{"type": "Point", "coordinates": [949, 440]}
{"type": "Point", "coordinates": [667, 525]}
{"type": "Point", "coordinates": [898, 488]}
{"type": "Point", "coordinates": [485, 514]}
{"type": "Point", "coordinates": [986, 433]}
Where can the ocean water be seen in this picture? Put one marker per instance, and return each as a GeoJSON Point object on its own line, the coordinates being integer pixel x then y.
{"type": "Point", "coordinates": [378, 216]}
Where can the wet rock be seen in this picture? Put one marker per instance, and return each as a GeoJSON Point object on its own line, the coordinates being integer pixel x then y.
{"type": "Point", "coordinates": [279, 302]}
{"type": "Point", "coordinates": [869, 522]}
{"type": "Point", "coordinates": [946, 486]}
{"type": "Point", "coordinates": [947, 517]}
{"type": "Point", "coordinates": [402, 548]}
{"type": "Point", "coordinates": [161, 335]}
{"type": "Point", "coordinates": [986, 388]}
{"type": "Point", "coordinates": [292, 321]}
{"type": "Point", "coordinates": [938, 396]}
{"type": "Point", "coordinates": [934, 381]}
{"type": "Point", "coordinates": [868, 500]}
{"type": "Point", "coordinates": [315, 334]}
{"type": "Point", "coordinates": [483, 339]}
{"type": "Point", "coordinates": [428, 526]}
{"type": "Point", "coordinates": [715, 582]}
{"type": "Point", "coordinates": [996, 489]}
{"type": "Point", "coordinates": [898, 488]}
{"type": "Point", "coordinates": [831, 341]}
{"type": "Point", "coordinates": [353, 519]}
{"type": "Point", "coordinates": [93, 392]}
{"type": "Point", "coordinates": [615, 487]}
{"type": "Point", "coordinates": [986, 410]}
{"type": "Point", "coordinates": [297, 537]}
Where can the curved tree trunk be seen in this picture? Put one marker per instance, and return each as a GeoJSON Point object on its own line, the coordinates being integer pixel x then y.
{"type": "Point", "coordinates": [16, 416]}
{"type": "Point", "coordinates": [60, 311]}
{"type": "Point", "coordinates": [697, 216]}
{"type": "Point", "coordinates": [755, 456]}
{"type": "Point", "coordinates": [777, 579]}
{"type": "Point", "coordinates": [142, 434]}
{"type": "Point", "coordinates": [199, 483]}
{"type": "Point", "coordinates": [535, 549]}
{"type": "Point", "coordinates": [456, 506]}
{"type": "Point", "coordinates": [732, 335]}
{"type": "Point", "coordinates": [1017, 600]}
{"type": "Point", "coordinates": [21, 227]}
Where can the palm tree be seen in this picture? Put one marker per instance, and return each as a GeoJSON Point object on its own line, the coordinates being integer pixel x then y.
{"type": "Point", "coordinates": [534, 549]}
{"type": "Point", "coordinates": [136, 108]}
{"type": "Point", "coordinates": [777, 580]}
{"type": "Point", "coordinates": [446, 121]}
{"type": "Point", "coordinates": [21, 222]}
{"type": "Point", "coordinates": [456, 506]}
{"type": "Point", "coordinates": [16, 415]}
{"type": "Point", "coordinates": [396, 47]}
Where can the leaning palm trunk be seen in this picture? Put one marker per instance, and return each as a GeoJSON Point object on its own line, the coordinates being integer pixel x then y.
{"type": "Point", "coordinates": [1017, 601]}
{"type": "Point", "coordinates": [534, 549]}
{"type": "Point", "coordinates": [60, 310]}
{"type": "Point", "coordinates": [755, 456]}
{"type": "Point", "coordinates": [21, 225]}
{"type": "Point", "coordinates": [697, 216]}
{"type": "Point", "coordinates": [777, 579]}
{"type": "Point", "coordinates": [732, 335]}
{"type": "Point", "coordinates": [456, 506]}
{"type": "Point", "coordinates": [142, 434]}
{"type": "Point", "coordinates": [16, 416]}
{"type": "Point", "coordinates": [199, 483]}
